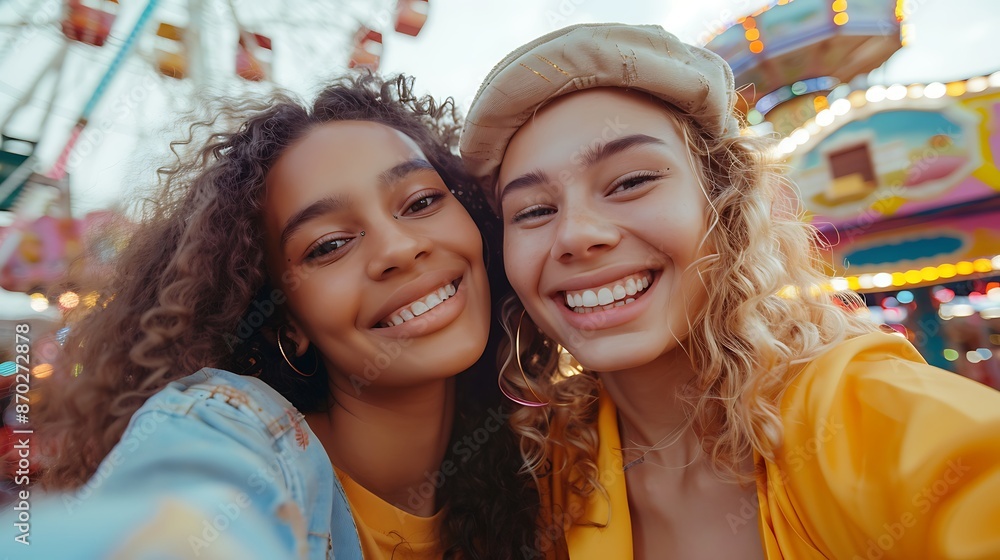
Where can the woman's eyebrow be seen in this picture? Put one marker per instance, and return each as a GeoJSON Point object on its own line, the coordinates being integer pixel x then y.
{"type": "Point", "coordinates": [325, 205]}
{"type": "Point", "coordinates": [591, 156]}
{"type": "Point", "coordinates": [397, 172]}
{"type": "Point", "coordinates": [600, 152]}
{"type": "Point", "coordinates": [330, 204]}
{"type": "Point", "coordinates": [531, 179]}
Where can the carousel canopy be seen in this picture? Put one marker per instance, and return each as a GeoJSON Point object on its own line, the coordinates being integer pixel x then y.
{"type": "Point", "coordinates": [802, 39]}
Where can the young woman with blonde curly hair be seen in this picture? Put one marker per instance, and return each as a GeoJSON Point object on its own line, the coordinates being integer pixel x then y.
{"type": "Point", "coordinates": [726, 405]}
{"type": "Point", "coordinates": [287, 361]}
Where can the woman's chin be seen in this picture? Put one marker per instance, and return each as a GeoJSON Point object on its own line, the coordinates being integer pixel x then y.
{"type": "Point", "coordinates": [611, 356]}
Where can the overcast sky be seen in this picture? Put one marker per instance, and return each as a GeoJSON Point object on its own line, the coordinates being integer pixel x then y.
{"type": "Point", "coordinates": [464, 39]}
{"type": "Point", "coordinates": [461, 42]}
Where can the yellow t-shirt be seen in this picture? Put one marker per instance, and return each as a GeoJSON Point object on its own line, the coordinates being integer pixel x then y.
{"type": "Point", "coordinates": [388, 532]}
{"type": "Point", "coordinates": [884, 457]}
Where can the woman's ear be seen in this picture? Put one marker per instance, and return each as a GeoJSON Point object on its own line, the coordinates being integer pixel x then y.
{"type": "Point", "coordinates": [293, 332]}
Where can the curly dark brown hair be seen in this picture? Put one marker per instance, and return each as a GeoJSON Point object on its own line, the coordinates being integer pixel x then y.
{"type": "Point", "coordinates": [192, 275]}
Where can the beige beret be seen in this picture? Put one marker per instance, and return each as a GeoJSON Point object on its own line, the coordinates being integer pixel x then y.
{"type": "Point", "coordinates": [696, 81]}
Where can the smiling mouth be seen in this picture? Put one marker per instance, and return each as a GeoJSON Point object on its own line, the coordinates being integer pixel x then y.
{"type": "Point", "coordinates": [417, 308]}
{"type": "Point", "coordinates": [619, 293]}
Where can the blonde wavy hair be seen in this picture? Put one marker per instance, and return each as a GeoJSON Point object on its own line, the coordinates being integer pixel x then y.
{"type": "Point", "coordinates": [767, 312]}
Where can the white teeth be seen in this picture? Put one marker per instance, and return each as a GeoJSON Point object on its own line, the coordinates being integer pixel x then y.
{"type": "Point", "coordinates": [630, 288]}
{"type": "Point", "coordinates": [419, 308]}
{"type": "Point", "coordinates": [432, 301]}
{"type": "Point", "coordinates": [604, 296]}
{"type": "Point", "coordinates": [618, 292]}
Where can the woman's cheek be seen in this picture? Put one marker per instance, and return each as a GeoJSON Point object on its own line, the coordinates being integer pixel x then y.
{"type": "Point", "coordinates": [516, 262]}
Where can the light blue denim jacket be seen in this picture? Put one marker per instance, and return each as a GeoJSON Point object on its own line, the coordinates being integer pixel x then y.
{"type": "Point", "coordinates": [216, 465]}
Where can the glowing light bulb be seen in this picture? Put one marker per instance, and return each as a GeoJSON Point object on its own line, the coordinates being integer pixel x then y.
{"type": "Point", "coordinates": [935, 90]}
{"type": "Point", "coordinates": [947, 270]}
{"type": "Point", "coordinates": [824, 117]}
{"type": "Point", "coordinates": [875, 94]}
{"type": "Point", "coordinates": [977, 84]}
{"type": "Point", "coordinates": [69, 300]}
{"type": "Point", "coordinates": [840, 107]}
{"type": "Point", "coordinates": [895, 92]}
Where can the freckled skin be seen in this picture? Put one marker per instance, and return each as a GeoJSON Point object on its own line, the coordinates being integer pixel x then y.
{"type": "Point", "coordinates": [642, 208]}
{"type": "Point", "coordinates": [659, 224]}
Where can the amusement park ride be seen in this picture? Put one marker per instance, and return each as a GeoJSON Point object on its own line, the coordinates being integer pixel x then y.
{"type": "Point", "coordinates": [170, 42]}
{"type": "Point", "coordinates": [901, 179]}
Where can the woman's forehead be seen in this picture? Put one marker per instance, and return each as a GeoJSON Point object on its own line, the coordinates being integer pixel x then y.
{"type": "Point", "coordinates": [563, 132]}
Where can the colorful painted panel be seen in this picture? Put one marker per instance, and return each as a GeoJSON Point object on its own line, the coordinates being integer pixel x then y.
{"type": "Point", "coordinates": [929, 243]}
{"type": "Point", "coordinates": [902, 161]}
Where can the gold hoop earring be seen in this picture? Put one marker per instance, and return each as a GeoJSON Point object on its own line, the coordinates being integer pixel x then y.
{"type": "Point", "coordinates": [289, 362]}
{"type": "Point", "coordinates": [517, 357]}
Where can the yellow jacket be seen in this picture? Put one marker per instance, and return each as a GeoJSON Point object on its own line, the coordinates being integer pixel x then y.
{"type": "Point", "coordinates": [883, 457]}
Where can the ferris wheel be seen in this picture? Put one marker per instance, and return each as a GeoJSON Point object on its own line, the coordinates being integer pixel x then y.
{"type": "Point", "coordinates": [75, 74]}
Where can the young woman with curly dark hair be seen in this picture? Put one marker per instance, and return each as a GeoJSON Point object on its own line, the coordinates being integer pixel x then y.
{"type": "Point", "coordinates": [286, 362]}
